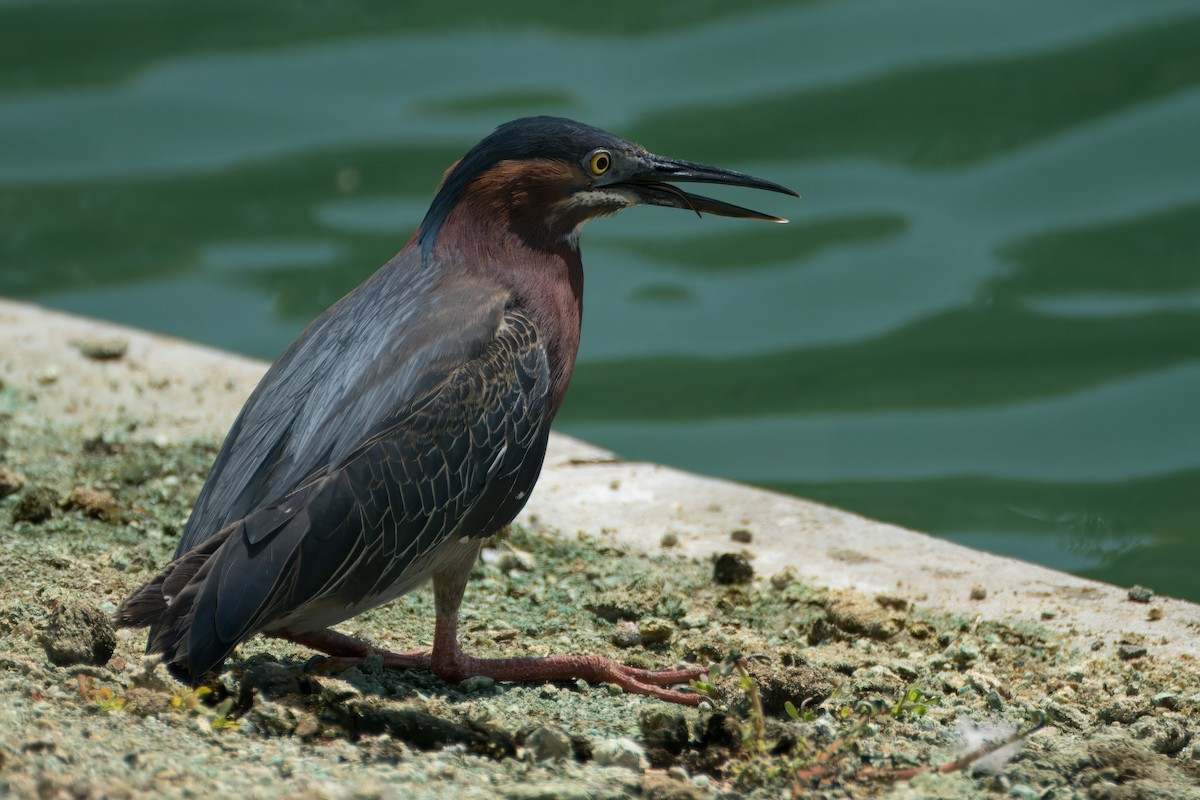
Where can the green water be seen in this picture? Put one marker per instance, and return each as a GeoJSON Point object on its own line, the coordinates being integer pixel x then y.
{"type": "Point", "coordinates": [983, 321]}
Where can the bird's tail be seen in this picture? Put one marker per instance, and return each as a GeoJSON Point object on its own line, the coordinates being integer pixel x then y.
{"type": "Point", "coordinates": [166, 602]}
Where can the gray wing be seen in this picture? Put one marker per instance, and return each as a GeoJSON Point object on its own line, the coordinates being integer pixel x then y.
{"type": "Point", "coordinates": [458, 462]}
{"type": "Point", "coordinates": [381, 348]}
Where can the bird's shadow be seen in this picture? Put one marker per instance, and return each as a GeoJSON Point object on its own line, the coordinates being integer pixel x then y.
{"type": "Point", "coordinates": [291, 696]}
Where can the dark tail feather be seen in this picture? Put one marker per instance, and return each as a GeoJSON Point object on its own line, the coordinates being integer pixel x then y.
{"type": "Point", "coordinates": [145, 606]}
{"type": "Point", "coordinates": [165, 603]}
{"type": "Point", "coordinates": [148, 604]}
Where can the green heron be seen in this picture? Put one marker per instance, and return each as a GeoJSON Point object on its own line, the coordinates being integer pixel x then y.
{"type": "Point", "coordinates": [408, 423]}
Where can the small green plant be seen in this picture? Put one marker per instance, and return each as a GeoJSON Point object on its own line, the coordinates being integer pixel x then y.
{"type": "Point", "coordinates": [913, 701]}
{"type": "Point", "coordinates": [756, 737]}
{"type": "Point", "coordinates": [220, 720]}
{"type": "Point", "coordinates": [810, 764]}
{"type": "Point", "coordinates": [102, 698]}
{"type": "Point", "coordinates": [723, 669]}
{"type": "Point", "coordinates": [190, 700]}
{"type": "Point", "coordinates": [195, 701]}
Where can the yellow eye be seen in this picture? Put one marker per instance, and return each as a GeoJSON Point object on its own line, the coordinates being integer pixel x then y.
{"type": "Point", "coordinates": [599, 162]}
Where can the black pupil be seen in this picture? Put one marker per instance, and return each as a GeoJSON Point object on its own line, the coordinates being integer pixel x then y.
{"type": "Point", "coordinates": [601, 163]}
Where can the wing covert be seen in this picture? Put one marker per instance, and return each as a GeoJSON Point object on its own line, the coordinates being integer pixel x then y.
{"type": "Point", "coordinates": [381, 348]}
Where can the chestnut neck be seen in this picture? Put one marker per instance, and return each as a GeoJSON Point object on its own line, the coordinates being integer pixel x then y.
{"type": "Point", "coordinates": [540, 267]}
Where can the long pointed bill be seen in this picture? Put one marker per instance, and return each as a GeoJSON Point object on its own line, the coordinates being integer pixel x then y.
{"type": "Point", "coordinates": [653, 187]}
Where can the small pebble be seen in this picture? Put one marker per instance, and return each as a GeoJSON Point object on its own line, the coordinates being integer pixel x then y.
{"type": "Point", "coordinates": [516, 560]}
{"type": "Point", "coordinates": [1155, 613]}
{"type": "Point", "coordinates": [546, 743]}
{"type": "Point", "coordinates": [620, 752]}
{"type": "Point", "coordinates": [655, 631]}
{"type": "Point", "coordinates": [731, 568]}
{"type": "Point", "coordinates": [1128, 652]}
{"type": "Point", "coordinates": [1025, 792]}
{"type": "Point", "coordinates": [665, 730]}
{"type": "Point", "coordinates": [626, 634]}
{"type": "Point", "coordinates": [892, 601]}
{"type": "Point", "coordinates": [1140, 594]}
{"type": "Point", "coordinates": [669, 539]}
{"type": "Point", "coordinates": [307, 728]}
{"type": "Point", "coordinates": [857, 615]}
{"type": "Point", "coordinates": [978, 592]}
{"type": "Point", "coordinates": [10, 482]}
{"type": "Point", "coordinates": [1166, 700]}
{"type": "Point", "coordinates": [102, 349]}
{"type": "Point", "coordinates": [36, 505]}
{"type": "Point", "coordinates": [1164, 736]}
{"type": "Point", "coordinates": [95, 504]}
{"type": "Point", "coordinates": [783, 579]}
{"type": "Point", "coordinates": [77, 633]}
{"type": "Point", "coordinates": [742, 535]}
{"type": "Point", "coordinates": [476, 683]}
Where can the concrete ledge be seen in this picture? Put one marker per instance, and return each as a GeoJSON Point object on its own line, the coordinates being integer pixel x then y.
{"type": "Point", "coordinates": [176, 391]}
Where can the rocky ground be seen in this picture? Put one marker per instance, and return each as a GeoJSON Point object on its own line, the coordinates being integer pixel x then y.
{"type": "Point", "coordinates": [840, 695]}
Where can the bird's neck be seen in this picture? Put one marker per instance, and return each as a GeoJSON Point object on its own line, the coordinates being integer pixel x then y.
{"type": "Point", "coordinates": [543, 273]}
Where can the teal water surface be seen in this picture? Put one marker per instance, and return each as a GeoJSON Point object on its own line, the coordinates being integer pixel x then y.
{"type": "Point", "coordinates": [983, 320]}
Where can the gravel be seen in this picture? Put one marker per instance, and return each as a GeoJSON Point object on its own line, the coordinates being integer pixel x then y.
{"type": "Point", "coordinates": [872, 689]}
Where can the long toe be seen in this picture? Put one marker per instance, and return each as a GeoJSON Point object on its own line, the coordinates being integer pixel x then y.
{"type": "Point", "coordinates": [409, 659]}
{"type": "Point", "coordinates": [652, 682]}
{"type": "Point", "coordinates": [347, 651]}
{"type": "Point", "coordinates": [457, 665]}
{"type": "Point", "coordinates": [663, 677]}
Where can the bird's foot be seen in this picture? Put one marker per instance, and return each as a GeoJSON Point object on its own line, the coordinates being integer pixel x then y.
{"type": "Point", "coordinates": [456, 666]}
{"type": "Point", "coordinates": [347, 651]}
{"type": "Point", "coordinates": [452, 665]}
